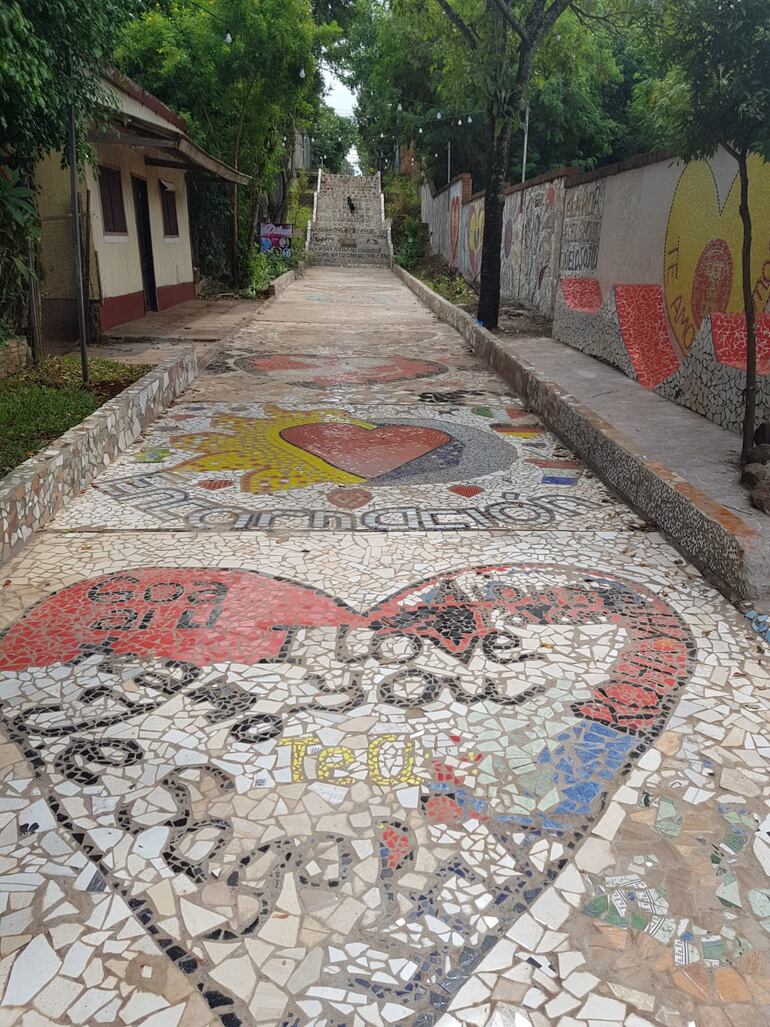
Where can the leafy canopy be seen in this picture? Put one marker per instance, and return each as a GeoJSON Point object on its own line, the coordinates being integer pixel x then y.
{"type": "Point", "coordinates": [408, 52]}
{"type": "Point", "coordinates": [51, 55]}
{"type": "Point", "coordinates": [333, 137]}
{"type": "Point", "coordinates": [712, 86]}
{"type": "Point", "coordinates": [242, 97]}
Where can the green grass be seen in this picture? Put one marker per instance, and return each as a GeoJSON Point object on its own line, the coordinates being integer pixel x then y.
{"type": "Point", "coordinates": [41, 403]}
{"type": "Point", "coordinates": [452, 287]}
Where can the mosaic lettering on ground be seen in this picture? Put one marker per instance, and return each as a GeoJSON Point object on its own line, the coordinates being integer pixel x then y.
{"type": "Point", "coordinates": [227, 747]}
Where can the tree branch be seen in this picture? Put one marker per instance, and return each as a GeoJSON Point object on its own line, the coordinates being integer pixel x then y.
{"type": "Point", "coordinates": [585, 16]}
{"type": "Point", "coordinates": [557, 8]}
{"type": "Point", "coordinates": [510, 17]}
{"type": "Point", "coordinates": [462, 27]}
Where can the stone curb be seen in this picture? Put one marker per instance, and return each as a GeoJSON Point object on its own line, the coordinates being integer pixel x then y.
{"type": "Point", "coordinates": [33, 492]}
{"type": "Point", "coordinates": [280, 284]}
{"type": "Point", "coordinates": [727, 550]}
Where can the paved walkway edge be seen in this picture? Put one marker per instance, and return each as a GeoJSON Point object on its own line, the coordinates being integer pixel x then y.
{"type": "Point", "coordinates": [280, 284]}
{"type": "Point", "coordinates": [727, 550]}
{"type": "Point", "coordinates": [32, 493]}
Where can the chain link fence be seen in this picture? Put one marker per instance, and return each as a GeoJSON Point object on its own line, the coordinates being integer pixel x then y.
{"type": "Point", "coordinates": [54, 306]}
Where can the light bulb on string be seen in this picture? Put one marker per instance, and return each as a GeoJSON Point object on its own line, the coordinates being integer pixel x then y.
{"type": "Point", "coordinates": [302, 72]}
{"type": "Point", "coordinates": [400, 108]}
{"type": "Point", "coordinates": [438, 116]}
{"type": "Point", "coordinates": [228, 38]}
{"type": "Point", "coordinates": [470, 120]}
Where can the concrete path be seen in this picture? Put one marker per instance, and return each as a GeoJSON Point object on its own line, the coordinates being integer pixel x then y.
{"type": "Point", "coordinates": [349, 697]}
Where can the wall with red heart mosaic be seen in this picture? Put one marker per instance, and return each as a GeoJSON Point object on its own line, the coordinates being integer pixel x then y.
{"type": "Point", "coordinates": [639, 264]}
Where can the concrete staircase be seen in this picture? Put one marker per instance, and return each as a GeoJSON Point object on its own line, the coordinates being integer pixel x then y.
{"type": "Point", "coordinates": [337, 238]}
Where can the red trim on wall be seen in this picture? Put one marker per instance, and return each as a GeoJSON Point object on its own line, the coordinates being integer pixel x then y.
{"type": "Point", "coordinates": [115, 310]}
{"type": "Point", "coordinates": [170, 295]}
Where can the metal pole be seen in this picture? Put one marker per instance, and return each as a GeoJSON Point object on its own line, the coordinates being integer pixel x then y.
{"type": "Point", "coordinates": [34, 305]}
{"type": "Point", "coordinates": [449, 162]}
{"type": "Point", "coordinates": [526, 144]}
{"type": "Point", "coordinates": [75, 212]}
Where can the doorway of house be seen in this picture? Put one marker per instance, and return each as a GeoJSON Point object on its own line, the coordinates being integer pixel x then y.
{"type": "Point", "coordinates": [142, 211]}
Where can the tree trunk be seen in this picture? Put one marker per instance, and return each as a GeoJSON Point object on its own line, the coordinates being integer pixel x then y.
{"type": "Point", "coordinates": [494, 200]}
{"type": "Point", "coordinates": [749, 416]}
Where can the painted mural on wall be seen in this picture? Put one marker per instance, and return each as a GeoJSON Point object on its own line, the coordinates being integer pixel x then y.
{"type": "Point", "coordinates": [583, 210]}
{"type": "Point", "coordinates": [647, 264]}
{"type": "Point", "coordinates": [510, 263]}
{"type": "Point", "coordinates": [475, 236]}
{"type": "Point", "coordinates": [454, 228]}
{"type": "Point", "coordinates": [539, 245]}
{"type": "Point", "coordinates": [684, 334]}
{"type": "Point", "coordinates": [702, 273]}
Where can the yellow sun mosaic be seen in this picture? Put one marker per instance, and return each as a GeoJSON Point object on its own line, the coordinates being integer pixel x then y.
{"type": "Point", "coordinates": [275, 465]}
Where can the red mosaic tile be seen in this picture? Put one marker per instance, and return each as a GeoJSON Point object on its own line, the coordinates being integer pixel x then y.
{"type": "Point", "coordinates": [583, 294]}
{"type": "Point", "coordinates": [214, 484]}
{"type": "Point", "coordinates": [555, 465]}
{"type": "Point", "coordinates": [729, 334]}
{"type": "Point", "coordinates": [468, 491]}
{"type": "Point", "coordinates": [642, 320]}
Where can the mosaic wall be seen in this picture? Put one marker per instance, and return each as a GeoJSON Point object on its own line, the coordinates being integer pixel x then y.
{"type": "Point", "coordinates": [666, 308]}
{"type": "Point", "coordinates": [640, 268]}
{"type": "Point", "coordinates": [531, 231]}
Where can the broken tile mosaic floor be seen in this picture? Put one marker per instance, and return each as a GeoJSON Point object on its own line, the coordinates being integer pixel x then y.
{"type": "Point", "coordinates": [247, 467]}
{"type": "Point", "coordinates": [341, 777]}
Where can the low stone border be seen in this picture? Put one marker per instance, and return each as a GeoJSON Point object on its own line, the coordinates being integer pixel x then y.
{"type": "Point", "coordinates": [32, 493]}
{"type": "Point", "coordinates": [716, 540]}
{"type": "Point", "coordinates": [14, 355]}
{"type": "Point", "coordinates": [282, 282]}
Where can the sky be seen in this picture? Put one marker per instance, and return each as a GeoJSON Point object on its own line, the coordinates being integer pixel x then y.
{"type": "Point", "coordinates": [342, 100]}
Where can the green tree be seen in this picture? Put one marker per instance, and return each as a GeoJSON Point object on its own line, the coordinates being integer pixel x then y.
{"type": "Point", "coordinates": [503, 37]}
{"type": "Point", "coordinates": [51, 55]}
{"type": "Point", "coordinates": [455, 71]}
{"type": "Point", "coordinates": [714, 90]}
{"type": "Point", "coordinates": [244, 74]}
{"type": "Point", "coordinates": [333, 137]}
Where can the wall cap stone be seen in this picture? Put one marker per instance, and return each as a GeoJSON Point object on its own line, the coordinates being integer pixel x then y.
{"type": "Point", "coordinates": [641, 160]}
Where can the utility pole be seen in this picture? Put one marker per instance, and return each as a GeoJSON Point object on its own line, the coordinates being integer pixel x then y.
{"type": "Point", "coordinates": [526, 144]}
{"type": "Point", "coordinates": [449, 162]}
{"type": "Point", "coordinates": [72, 153]}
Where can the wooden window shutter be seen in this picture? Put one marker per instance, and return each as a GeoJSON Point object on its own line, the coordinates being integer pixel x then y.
{"type": "Point", "coordinates": [111, 193]}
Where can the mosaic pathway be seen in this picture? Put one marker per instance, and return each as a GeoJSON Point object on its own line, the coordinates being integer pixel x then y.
{"type": "Point", "coordinates": [266, 770]}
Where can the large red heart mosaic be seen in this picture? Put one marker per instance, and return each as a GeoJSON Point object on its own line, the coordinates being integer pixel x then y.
{"type": "Point", "coordinates": [176, 622]}
{"type": "Point", "coordinates": [211, 616]}
{"type": "Point", "coordinates": [366, 452]}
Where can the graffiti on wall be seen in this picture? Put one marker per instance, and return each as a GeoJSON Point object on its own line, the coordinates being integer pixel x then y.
{"type": "Point", "coordinates": [454, 229]}
{"type": "Point", "coordinates": [539, 238]}
{"type": "Point", "coordinates": [475, 238]}
{"type": "Point", "coordinates": [583, 211]}
{"type": "Point", "coordinates": [702, 262]}
{"type": "Point", "coordinates": [511, 249]}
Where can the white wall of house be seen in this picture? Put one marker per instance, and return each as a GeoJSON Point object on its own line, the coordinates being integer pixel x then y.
{"type": "Point", "coordinates": [119, 266]}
